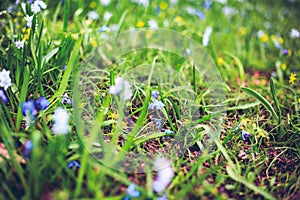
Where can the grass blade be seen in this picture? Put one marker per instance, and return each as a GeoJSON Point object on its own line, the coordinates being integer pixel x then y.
{"type": "Point", "coordinates": [264, 101]}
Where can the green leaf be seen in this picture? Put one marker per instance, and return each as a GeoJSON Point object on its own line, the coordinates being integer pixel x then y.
{"type": "Point", "coordinates": [239, 64]}
{"type": "Point", "coordinates": [264, 101]}
{"type": "Point", "coordinates": [275, 99]}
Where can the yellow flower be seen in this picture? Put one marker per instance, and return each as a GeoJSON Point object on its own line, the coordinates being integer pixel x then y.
{"type": "Point", "coordinates": [299, 100]}
{"type": "Point", "coordinates": [262, 133]}
{"type": "Point", "coordinates": [162, 15]}
{"type": "Point", "coordinates": [283, 66]}
{"type": "Point", "coordinates": [178, 19]}
{"type": "Point", "coordinates": [292, 78]}
{"type": "Point", "coordinates": [93, 42]}
{"type": "Point", "coordinates": [140, 24]}
{"type": "Point", "coordinates": [265, 38]}
{"type": "Point", "coordinates": [220, 61]}
{"type": "Point", "coordinates": [289, 52]}
{"type": "Point", "coordinates": [280, 40]}
{"type": "Point", "coordinates": [243, 31]}
{"type": "Point", "coordinates": [263, 82]}
{"type": "Point", "coordinates": [163, 5]}
{"type": "Point", "coordinates": [93, 4]}
{"type": "Point", "coordinates": [27, 34]}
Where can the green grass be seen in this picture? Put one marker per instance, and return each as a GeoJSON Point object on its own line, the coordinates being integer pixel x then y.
{"type": "Point", "coordinates": [207, 152]}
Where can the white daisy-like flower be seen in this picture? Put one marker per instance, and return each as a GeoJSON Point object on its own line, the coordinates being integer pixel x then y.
{"type": "Point", "coordinates": [206, 36]}
{"type": "Point", "coordinates": [93, 15]}
{"type": "Point", "coordinates": [228, 11]}
{"type": "Point", "coordinates": [107, 16]}
{"type": "Point", "coordinates": [37, 5]}
{"type": "Point", "coordinates": [122, 87]}
{"type": "Point", "coordinates": [173, 2]}
{"type": "Point", "coordinates": [105, 2]}
{"type": "Point", "coordinates": [152, 24]}
{"type": "Point", "coordinates": [61, 122]}
{"type": "Point", "coordinates": [260, 33]}
{"type": "Point", "coordinates": [29, 20]}
{"type": "Point", "coordinates": [20, 44]}
{"type": "Point", "coordinates": [191, 10]}
{"type": "Point", "coordinates": [165, 174]}
{"type": "Point", "coordinates": [294, 33]}
{"type": "Point", "coordinates": [5, 80]}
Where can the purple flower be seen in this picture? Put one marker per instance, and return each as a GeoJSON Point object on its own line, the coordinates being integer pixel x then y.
{"type": "Point", "coordinates": [42, 103]}
{"type": "Point", "coordinates": [10, 9]}
{"type": "Point", "coordinates": [64, 68]}
{"type": "Point", "coordinates": [73, 163]}
{"type": "Point", "coordinates": [156, 105]}
{"type": "Point", "coordinates": [164, 197]}
{"type": "Point", "coordinates": [30, 1]}
{"type": "Point", "coordinates": [285, 52]}
{"type": "Point", "coordinates": [155, 94]}
{"type": "Point", "coordinates": [28, 108]}
{"type": "Point", "coordinates": [3, 96]}
{"type": "Point", "coordinates": [245, 135]}
{"type": "Point", "coordinates": [66, 99]}
{"type": "Point", "coordinates": [27, 148]}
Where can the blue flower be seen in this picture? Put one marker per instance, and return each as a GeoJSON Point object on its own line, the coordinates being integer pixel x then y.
{"type": "Point", "coordinates": [27, 148]}
{"type": "Point", "coordinates": [64, 68]}
{"type": "Point", "coordinates": [164, 197]}
{"type": "Point", "coordinates": [42, 103]}
{"type": "Point", "coordinates": [207, 4]}
{"type": "Point", "coordinates": [28, 108]}
{"type": "Point", "coordinates": [245, 135]}
{"type": "Point", "coordinates": [156, 105]}
{"type": "Point", "coordinates": [3, 96]}
{"type": "Point", "coordinates": [200, 14]}
{"type": "Point", "coordinates": [73, 163]}
{"type": "Point", "coordinates": [132, 192]}
{"type": "Point", "coordinates": [66, 99]}
{"type": "Point", "coordinates": [155, 94]}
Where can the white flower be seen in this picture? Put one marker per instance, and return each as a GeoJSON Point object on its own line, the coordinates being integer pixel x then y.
{"type": "Point", "coordinates": [165, 174]}
{"type": "Point", "coordinates": [156, 105]}
{"type": "Point", "coordinates": [191, 10]}
{"type": "Point", "coordinates": [222, 1]}
{"type": "Point", "coordinates": [105, 2]}
{"type": "Point", "coordinates": [173, 2]}
{"type": "Point", "coordinates": [37, 5]}
{"type": "Point", "coordinates": [144, 3]}
{"type": "Point", "coordinates": [61, 122]}
{"type": "Point", "coordinates": [29, 20]}
{"type": "Point", "coordinates": [93, 15]}
{"type": "Point", "coordinates": [260, 33]}
{"type": "Point", "coordinates": [107, 16]}
{"type": "Point", "coordinates": [122, 87]}
{"type": "Point", "coordinates": [294, 33]}
{"type": "Point", "coordinates": [166, 23]}
{"type": "Point", "coordinates": [5, 80]}
{"type": "Point", "coordinates": [228, 11]}
{"type": "Point", "coordinates": [19, 44]}
{"type": "Point", "coordinates": [152, 24]}
{"type": "Point", "coordinates": [206, 36]}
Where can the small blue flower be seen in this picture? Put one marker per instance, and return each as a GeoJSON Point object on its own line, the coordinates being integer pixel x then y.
{"type": "Point", "coordinates": [3, 96]}
{"type": "Point", "coordinates": [66, 99]}
{"type": "Point", "coordinates": [164, 197]}
{"type": "Point", "coordinates": [42, 103]}
{"type": "Point", "coordinates": [156, 105]}
{"type": "Point", "coordinates": [104, 28]}
{"type": "Point", "coordinates": [245, 135]}
{"type": "Point", "coordinates": [132, 192]}
{"type": "Point", "coordinates": [28, 108]}
{"type": "Point", "coordinates": [73, 163]}
{"type": "Point", "coordinates": [28, 146]}
{"type": "Point", "coordinates": [169, 132]}
{"type": "Point", "coordinates": [10, 9]}
{"type": "Point", "coordinates": [207, 4]}
{"type": "Point", "coordinates": [155, 94]}
{"type": "Point", "coordinates": [158, 123]}
{"type": "Point", "coordinates": [200, 14]}
{"type": "Point", "coordinates": [30, 1]}
{"type": "Point", "coordinates": [64, 68]}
